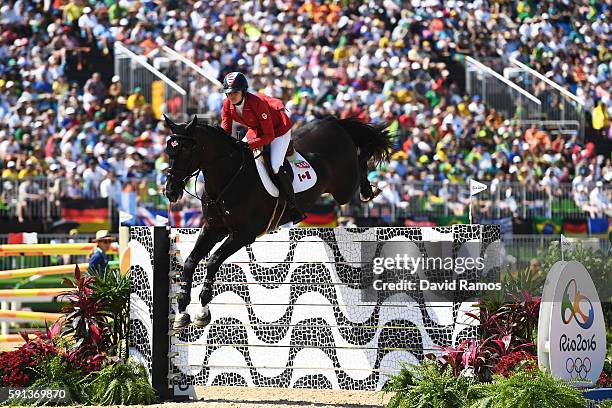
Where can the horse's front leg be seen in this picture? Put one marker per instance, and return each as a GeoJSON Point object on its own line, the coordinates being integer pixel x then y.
{"type": "Point", "coordinates": [235, 241]}
{"type": "Point", "coordinates": [207, 239]}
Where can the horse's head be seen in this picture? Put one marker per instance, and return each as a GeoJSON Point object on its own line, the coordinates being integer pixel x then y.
{"type": "Point", "coordinates": [180, 148]}
{"type": "Point", "coordinates": [193, 146]}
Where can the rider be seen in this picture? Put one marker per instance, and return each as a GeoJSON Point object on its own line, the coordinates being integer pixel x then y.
{"type": "Point", "coordinates": [268, 123]}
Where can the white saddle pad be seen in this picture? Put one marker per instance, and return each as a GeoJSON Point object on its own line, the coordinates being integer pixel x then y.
{"type": "Point", "coordinates": [304, 176]}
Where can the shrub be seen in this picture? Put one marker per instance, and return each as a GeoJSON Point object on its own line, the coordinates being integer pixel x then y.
{"type": "Point", "coordinates": [112, 290]}
{"type": "Point", "coordinates": [426, 386]}
{"type": "Point", "coordinates": [527, 389]}
{"type": "Point", "coordinates": [86, 320]}
{"type": "Point", "coordinates": [55, 372]}
{"type": "Point", "coordinates": [605, 379]}
{"type": "Point", "coordinates": [16, 367]}
{"type": "Point", "coordinates": [503, 331]}
{"type": "Point", "coordinates": [121, 384]}
{"type": "Point", "coordinates": [508, 363]}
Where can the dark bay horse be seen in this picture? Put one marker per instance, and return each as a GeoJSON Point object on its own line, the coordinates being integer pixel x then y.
{"type": "Point", "coordinates": [236, 205]}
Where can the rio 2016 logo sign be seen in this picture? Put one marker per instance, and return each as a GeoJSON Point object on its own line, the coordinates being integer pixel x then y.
{"type": "Point", "coordinates": [574, 305]}
{"type": "Point", "coordinates": [571, 328]}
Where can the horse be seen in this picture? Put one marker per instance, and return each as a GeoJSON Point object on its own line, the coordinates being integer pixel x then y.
{"type": "Point", "coordinates": [235, 204]}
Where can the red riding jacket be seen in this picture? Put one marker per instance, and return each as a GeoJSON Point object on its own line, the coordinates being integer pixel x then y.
{"type": "Point", "coordinates": [265, 117]}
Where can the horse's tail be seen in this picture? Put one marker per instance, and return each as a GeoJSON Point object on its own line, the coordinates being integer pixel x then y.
{"type": "Point", "coordinates": [373, 144]}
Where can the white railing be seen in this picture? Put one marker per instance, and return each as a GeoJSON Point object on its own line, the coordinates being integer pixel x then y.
{"type": "Point", "coordinates": [164, 94]}
{"type": "Point", "coordinates": [500, 93]}
{"type": "Point", "coordinates": [199, 81]}
{"type": "Point", "coordinates": [559, 104]}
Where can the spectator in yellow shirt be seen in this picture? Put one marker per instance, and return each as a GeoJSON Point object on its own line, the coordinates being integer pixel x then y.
{"type": "Point", "coordinates": [29, 171]}
{"type": "Point", "coordinates": [10, 172]}
{"type": "Point", "coordinates": [136, 99]}
{"type": "Point", "coordinates": [72, 12]}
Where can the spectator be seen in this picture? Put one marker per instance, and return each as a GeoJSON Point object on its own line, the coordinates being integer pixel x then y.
{"type": "Point", "coordinates": [92, 178]}
{"type": "Point", "coordinates": [98, 260]}
{"type": "Point", "coordinates": [29, 195]}
{"type": "Point", "coordinates": [115, 89]}
{"type": "Point", "coordinates": [135, 100]}
{"type": "Point", "coordinates": [111, 187]}
{"type": "Point", "coordinates": [95, 87]}
{"type": "Point", "coordinates": [599, 199]}
{"type": "Point", "coordinates": [9, 172]}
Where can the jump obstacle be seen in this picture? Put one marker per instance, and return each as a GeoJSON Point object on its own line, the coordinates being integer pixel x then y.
{"type": "Point", "coordinates": [17, 296]}
{"type": "Point", "coordinates": [43, 270]}
{"type": "Point", "coordinates": [49, 249]}
{"type": "Point", "coordinates": [287, 311]}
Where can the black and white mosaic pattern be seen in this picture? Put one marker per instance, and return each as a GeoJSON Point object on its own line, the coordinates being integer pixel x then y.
{"type": "Point", "coordinates": [141, 294]}
{"type": "Point", "coordinates": [287, 311]}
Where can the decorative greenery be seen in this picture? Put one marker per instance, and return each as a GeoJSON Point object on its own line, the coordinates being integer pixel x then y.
{"type": "Point", "coordinates": [517, 359]}
{"type": "Point", "coordinates": [605, 378]}
{"type": "Point", "coordinates": [598, 263]}
{"type": "Point", "coordinates": [503, 331]}
{"type": "Point", "coordinates": [112, 290]}
{"type": "Point", "coordinates": [121, 384]}
{"type": "Point", "coordinates": [86, 319]}
{"type": "Point", "coordinates": [529, 280]}
{"type": "Point", "coordinates": [426, 386]}
{"type": "Point", "coordinates": [55, 372]}
{"type": "Point", "coordinates": [527, 389]}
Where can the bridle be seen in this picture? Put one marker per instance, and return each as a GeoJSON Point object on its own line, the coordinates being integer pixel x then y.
{"type": "Point", "coordinates": [185, 176]}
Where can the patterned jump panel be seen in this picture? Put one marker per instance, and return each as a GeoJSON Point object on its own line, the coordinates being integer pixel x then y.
{"type": "Point", "coordinates": [287, 311]}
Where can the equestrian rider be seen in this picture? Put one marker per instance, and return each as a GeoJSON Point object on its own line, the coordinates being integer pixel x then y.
{"type": "Point", "coordinates": [267, 123]}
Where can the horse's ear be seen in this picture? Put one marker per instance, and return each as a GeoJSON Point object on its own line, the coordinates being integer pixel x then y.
{"type": "Point", "coordinates": [170, 123]}
{"type": "Point", "coordinates": [191, 123]}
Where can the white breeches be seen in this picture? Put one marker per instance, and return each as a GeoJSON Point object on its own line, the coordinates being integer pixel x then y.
{"type": "Point", "coordinates": [278, 149]}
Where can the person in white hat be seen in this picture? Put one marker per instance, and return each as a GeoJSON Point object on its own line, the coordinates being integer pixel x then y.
{"type": "Point", "coordinates": [98, 260]}
{"type": "Point", "coordinates": [87, 22]}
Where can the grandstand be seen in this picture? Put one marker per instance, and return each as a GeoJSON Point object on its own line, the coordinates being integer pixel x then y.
{"type": "Point", "coordinates": [471, 90]}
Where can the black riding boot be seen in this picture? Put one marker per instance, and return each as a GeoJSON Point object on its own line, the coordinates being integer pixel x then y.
{"type": "Point", "coordinates": [283, 179]}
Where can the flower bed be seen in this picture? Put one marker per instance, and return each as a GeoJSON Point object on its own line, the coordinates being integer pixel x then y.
{"type": "Point", "coordinates": [81, 353]}
{"type": "Point", "coordinates": [500, 368]}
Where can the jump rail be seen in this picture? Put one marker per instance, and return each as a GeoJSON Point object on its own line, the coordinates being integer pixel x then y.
{"type": "Point", "coordinates": [43, 270]}
{"type": "Point", "coordinates": [20, 316]}
{"type": "Point", "coordinates": [31, 295]}
{"type": "Point", "coordinates": [49, 249]}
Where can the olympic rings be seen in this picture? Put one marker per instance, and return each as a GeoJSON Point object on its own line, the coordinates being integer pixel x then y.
{"type": "Point", "coordinates": [578, 368]}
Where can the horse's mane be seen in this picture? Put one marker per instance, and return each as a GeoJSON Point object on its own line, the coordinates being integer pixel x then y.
{"type": "Point", "coordinates": [203, 123]}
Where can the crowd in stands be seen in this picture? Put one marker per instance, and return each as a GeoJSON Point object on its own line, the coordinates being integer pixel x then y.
{"type": "Point", "coordinates": [381, 61]}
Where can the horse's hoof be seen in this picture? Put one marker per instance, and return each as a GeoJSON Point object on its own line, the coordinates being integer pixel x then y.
{"type": "Point", "coordinates": [202, 318]}
{"type": "Point", "coordinates": [181, 320]}
{"type": "Point", "coordinates": [206, 294]}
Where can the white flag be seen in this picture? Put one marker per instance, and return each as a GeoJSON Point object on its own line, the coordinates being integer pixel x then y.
{"type": "Point", "coordinates": [124, 217]}
{"type": "Point", "coordinates": [159, 220]}
{"type": "Point", "coordinates": [566, 244]}
{"type": "Point", "coordinates": [476, 187]}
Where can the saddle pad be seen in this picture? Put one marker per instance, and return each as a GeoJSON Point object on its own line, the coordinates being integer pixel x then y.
{"type": "Point", "coordinates": [304, 176]}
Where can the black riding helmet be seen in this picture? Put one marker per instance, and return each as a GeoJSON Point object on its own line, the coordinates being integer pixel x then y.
{"type": "Point", "coordinates": [234, 82]}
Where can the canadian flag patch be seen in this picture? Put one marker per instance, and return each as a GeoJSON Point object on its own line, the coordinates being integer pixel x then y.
{"type": "Point", "coordinates": [174, 143]}
{"type": "Point", "coordinates": [264, 116]}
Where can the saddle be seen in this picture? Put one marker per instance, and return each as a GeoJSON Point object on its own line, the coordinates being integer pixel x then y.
{"type": "Point", "coordinates": [304, 176]}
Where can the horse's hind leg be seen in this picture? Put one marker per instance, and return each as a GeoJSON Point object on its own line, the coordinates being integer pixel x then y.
{"type": "Point", "coordinates": [207, 239]}
{"type": "Point", "coordinates": [235, 241]}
